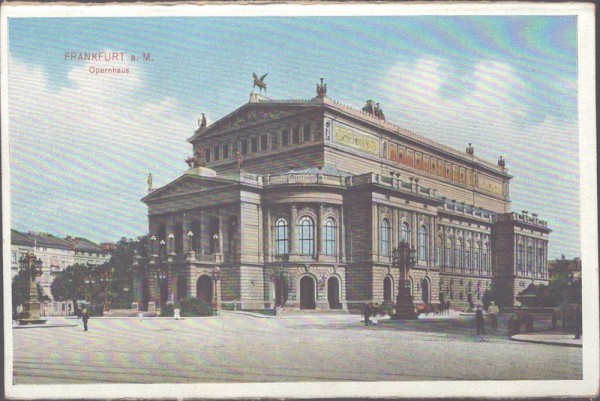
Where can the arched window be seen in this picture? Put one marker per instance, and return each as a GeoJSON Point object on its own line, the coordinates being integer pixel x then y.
{"type": "Point", "coordinates": [385, 238]}
{"type": "Point", "coordinates": [405, 232]}
{"type": "Point", "coordinates": [476, 251]}
{"type": "Point", "coordinates": [448, 253]}
{"type": "Point", "coordinates": [468, 256]}
{"type": "Point", "coordinates": [484, 258]}
{"type": "Point", "coordinates": [438, 251]}
{"type": "Point", "coordinates": [539, 258]}
{"type": "Point", "coordinates": [458, 254]}
{"type": "Point", "coordinates": [423, 242]}
{"type": "Point", "coordinates": [520, 257]}
{"type": "Point", "coordinates": [307, 236]}
{"type": "Point", "coordinates": [529, 258]}
{"type": "Point", "coordinates": [281, 237]}
{"type": "Point", "coordinates": [330, 236]}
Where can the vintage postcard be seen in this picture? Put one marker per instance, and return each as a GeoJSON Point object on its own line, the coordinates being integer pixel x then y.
{"type": "Point", "coordinates": [299, 200]}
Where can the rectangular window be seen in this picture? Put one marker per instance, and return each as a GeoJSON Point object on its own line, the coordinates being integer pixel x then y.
{"type": "Point", "coordinates": [244, 146]}
{"type": "Point", "coordinates": [447, 257]}
{"type": "Point", "coordinates": [296, 135]}
{"type": "Point", "coordinates": [264, 142]}
{"type": "Point", "coordinates": [468, 259]}
{"type": "Point", "coordinates": [226, 151]}
{"type": "Point", "coordinates": [274, 141]}
{"type": "Point", "coordinates": [13, 257]}
{"type": "Point", "coordinates": [319, 131]}
{"type": "Point", "coordinates": [306, 132]}
{"type": "Point", "coordinates": [207, 155]}
{"type": "Point", "coordinates": [254, 144]}
{"type": "Point", "coordinates": [437, 256]}
{"type": "Point", "coordinates": [216, 152]}
{"type": "Point", "coordinates": [285, 137]}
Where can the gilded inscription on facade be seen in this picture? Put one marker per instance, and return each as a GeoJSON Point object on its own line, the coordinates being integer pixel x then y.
{"type": "Point", "coordinates": [489, 184]}
{"type": "Point", "coordinates": [355, 139]}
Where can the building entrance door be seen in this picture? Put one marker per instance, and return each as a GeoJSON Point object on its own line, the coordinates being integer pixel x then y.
{"type": "Point", "coordinates": [145, 294]}
{"type": "Point", "coordinates": [181, 288]}
{"type": "Point", "coordinates": [307, 293]}
{"type": "Point", "coordinates": [204, 289]}
{"type": "Point", "coordinates": [425, 290]}
{"type": "Point", "coordinates": [333, 293]}
{"type": "Point", "coordinates": [387, 289]}
{"type": "Point", "coordinates": [164, 292]}
{"type": "Point", "coordinates": [281, 291]}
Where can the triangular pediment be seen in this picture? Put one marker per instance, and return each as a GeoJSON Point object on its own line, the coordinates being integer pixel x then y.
{"type": "Point", "coordinates": [254, 113]}
{"type": "Point", "coordinates": [186, 184]}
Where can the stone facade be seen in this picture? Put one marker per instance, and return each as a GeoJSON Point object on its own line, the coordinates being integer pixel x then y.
{"type": "Point", "coordinates": [303, 201]}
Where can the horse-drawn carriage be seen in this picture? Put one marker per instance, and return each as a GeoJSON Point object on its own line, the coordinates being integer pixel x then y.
{"type": "Point", "coordinates": [520, 319]}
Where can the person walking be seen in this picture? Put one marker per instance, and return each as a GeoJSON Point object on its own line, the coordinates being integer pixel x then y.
{"type": "Point", "coordinates": [367, 314]}
{"type": "Point", "coordinates": [479, 320]}
{"type": "Point", "coordinates": [85, 316]}
{"type": "Point", "coordinates": [493, 311]}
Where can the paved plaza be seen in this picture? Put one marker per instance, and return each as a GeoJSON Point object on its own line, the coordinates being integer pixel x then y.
{"type": "Point", "coordinates": [236, 347]}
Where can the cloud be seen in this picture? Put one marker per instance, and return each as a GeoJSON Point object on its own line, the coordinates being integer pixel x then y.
{"type": "Point", "coordinates": [80, 153]}
{"type": "Point", "coordinates": [489, 104]}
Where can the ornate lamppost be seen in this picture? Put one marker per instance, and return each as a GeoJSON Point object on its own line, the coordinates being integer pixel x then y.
{"type": "Point", "coordinates": [216, 243]}
{"type": "Point", "coordinates": [106, 279]}
{"type": "Point", "coordinates": [161, 275]}
{"type": "Point", "coordinates": [216, 276]}
{"type": "Point", "coordinates": [89, 280]}
{"type": "Point", "coordinates": [404, 257]}
{"type": "Point", "coordinates": [31, 309]}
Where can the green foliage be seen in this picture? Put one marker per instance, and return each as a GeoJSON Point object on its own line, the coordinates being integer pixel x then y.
{"type": "Point", "coordinates": [20, 289]}
{"type": "Point", "coordinates": [168, 309]}
{"type": "Point", "coordinates": [194, 307]}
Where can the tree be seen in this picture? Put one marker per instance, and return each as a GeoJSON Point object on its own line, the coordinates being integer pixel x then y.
{"type": "Point", "coordinates": [69, 285]}
{"type": "Point", "coordinates": [121, 286]}
{"type": "Point", "coordinates": [20, 289]}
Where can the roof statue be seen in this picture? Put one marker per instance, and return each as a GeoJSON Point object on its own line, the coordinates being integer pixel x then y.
{"type": "Point", "coordinates": [198, 159]}
{"type": "Point", "coordinates": [260, 82]}
{"type": "Point", "coordinates": [202, 123]}
{"type": "Point", "coordinates": [240, 160]}
{"type": "Point", "coordinates": [470, 149]}
{"type": "Point", "coordinates": [501, 162]}
{"type": "Point", "coordinates": [321, 89]}
{"type": "Point", "coordinates": [149, 182]}
{"type": "Point", "coordinates": [374, 109]}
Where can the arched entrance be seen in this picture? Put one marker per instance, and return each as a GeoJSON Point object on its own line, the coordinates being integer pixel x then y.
{"type": "Point", "coordinates": [425, 290]}
{"type": "Point", "coordinates": [204, 289]}
{"type": "Point", "coordinates": [333, 293]}
{"type": "Point", "coordinates": [307, 293]}
{"type": "Point", "coordinates": [181, 288]}
{"type": "Point", "coordinates": [145, 294]}
{"type": "Point", "coordinates": [281, 291]}
{"type": "Point", "coordinates": [164, 291]}
{"type": "Point", "coordinates": [387, 289]}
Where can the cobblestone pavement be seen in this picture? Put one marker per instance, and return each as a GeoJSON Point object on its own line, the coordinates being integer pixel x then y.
{"type": "Point", "coordinates": [233, 347]}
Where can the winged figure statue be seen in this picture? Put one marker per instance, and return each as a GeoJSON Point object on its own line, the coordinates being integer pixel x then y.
{"type": "Point", "coordinates": [260, 82]}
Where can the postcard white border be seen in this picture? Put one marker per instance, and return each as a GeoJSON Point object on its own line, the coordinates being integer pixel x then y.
{"type": "Point", "coordinates": [589, 241]}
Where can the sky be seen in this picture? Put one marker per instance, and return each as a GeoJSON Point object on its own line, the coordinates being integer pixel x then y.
{"type": "Point", "coordinates": [82, 144]}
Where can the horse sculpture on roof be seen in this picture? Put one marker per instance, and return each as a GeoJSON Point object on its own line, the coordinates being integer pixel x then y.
{"type": "Point", "coordinates": [260, 82]}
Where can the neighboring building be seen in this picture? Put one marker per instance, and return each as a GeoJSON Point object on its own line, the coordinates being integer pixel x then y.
{"type": "Point", "coordinates": [56, 255]}
{"type": "Point", "coordinates": [571, 266]}
{"type": "Point", "coordinates": [88, 252]}
{"type": "Point", "coordinates": [305, 200]}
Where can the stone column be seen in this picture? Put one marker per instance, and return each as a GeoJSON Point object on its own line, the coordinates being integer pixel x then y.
{"type": "Point", "coordinates": [293, 232]}
{"type": "Point", "coordinates": [342, 233]}
{"type": "Point", "coordinates": [268, 245]}
{"type": "Point", "coordinates": [261, 250]}
{"type": "Point", "coordinates": [376, 230]}
{"type": "Point", "coordinates": [319, 231]}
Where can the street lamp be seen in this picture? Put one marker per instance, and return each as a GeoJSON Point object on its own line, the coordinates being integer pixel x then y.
{"type": "Point", "coordinates": [89, 280]}
{"type": "Point", "coordinates": [31, 308]}
{"type": "Point", "coordinates": [404, 257]}
{"type": "Point", "coordinates": [160, 276]}
{"type": "Point", "coordinates": [190, 235]}
{"type": "Point", "coordinates": [171, 238]}
{"type": "Point", "coordinates": [153, 244]}
{"type": "Point", "coordinates": [216, 276]}
{"type": "Point", "coordinates": [106, 279]}
{"type": "Point", "coordinates": [216, 243]}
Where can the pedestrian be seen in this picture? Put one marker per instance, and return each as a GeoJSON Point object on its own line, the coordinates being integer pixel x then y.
{"type": "Point", "coordinates": [367, 314]}
{"type": "Point", "coordinates": [177, 313]}
{"type": "Point", "coordinates": [578, 322]}
{"type": "Point", "coordinates": [141, 315]}
{"type": "Point", "coordinates": [479, 320]}
{"type": "Point", "coordinates": [493, 311]}
{"type": "Point", "coordinates": [85, 316]}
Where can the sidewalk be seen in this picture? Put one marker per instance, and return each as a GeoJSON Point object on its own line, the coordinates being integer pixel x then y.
{"type": "Point", "coordinates": [565, 340]}
{"type": "Point", "coordinates": [49, 324]}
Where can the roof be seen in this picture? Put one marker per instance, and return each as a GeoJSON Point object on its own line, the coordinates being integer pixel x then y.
{"type": "Point", "coordinates": [83, 244]}
{"type": "Point", "coordinates": [38, 239]}
{"type": "Point", "coordinates": [461, 206]}
{"type": "Point", "coordinates": [327, 169]}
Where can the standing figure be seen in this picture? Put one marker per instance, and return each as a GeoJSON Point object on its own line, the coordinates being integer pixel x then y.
{"type": "Point", "coordinates": [149, 182]}
{"type": "Point", "coordinates": [479, 320]}
{"type": "Point", "coordinates": [367, 314]}
{"type": "Point", "coordinates": [240, 160]}
{"type": "Point", "coordinates": [85, 316]}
